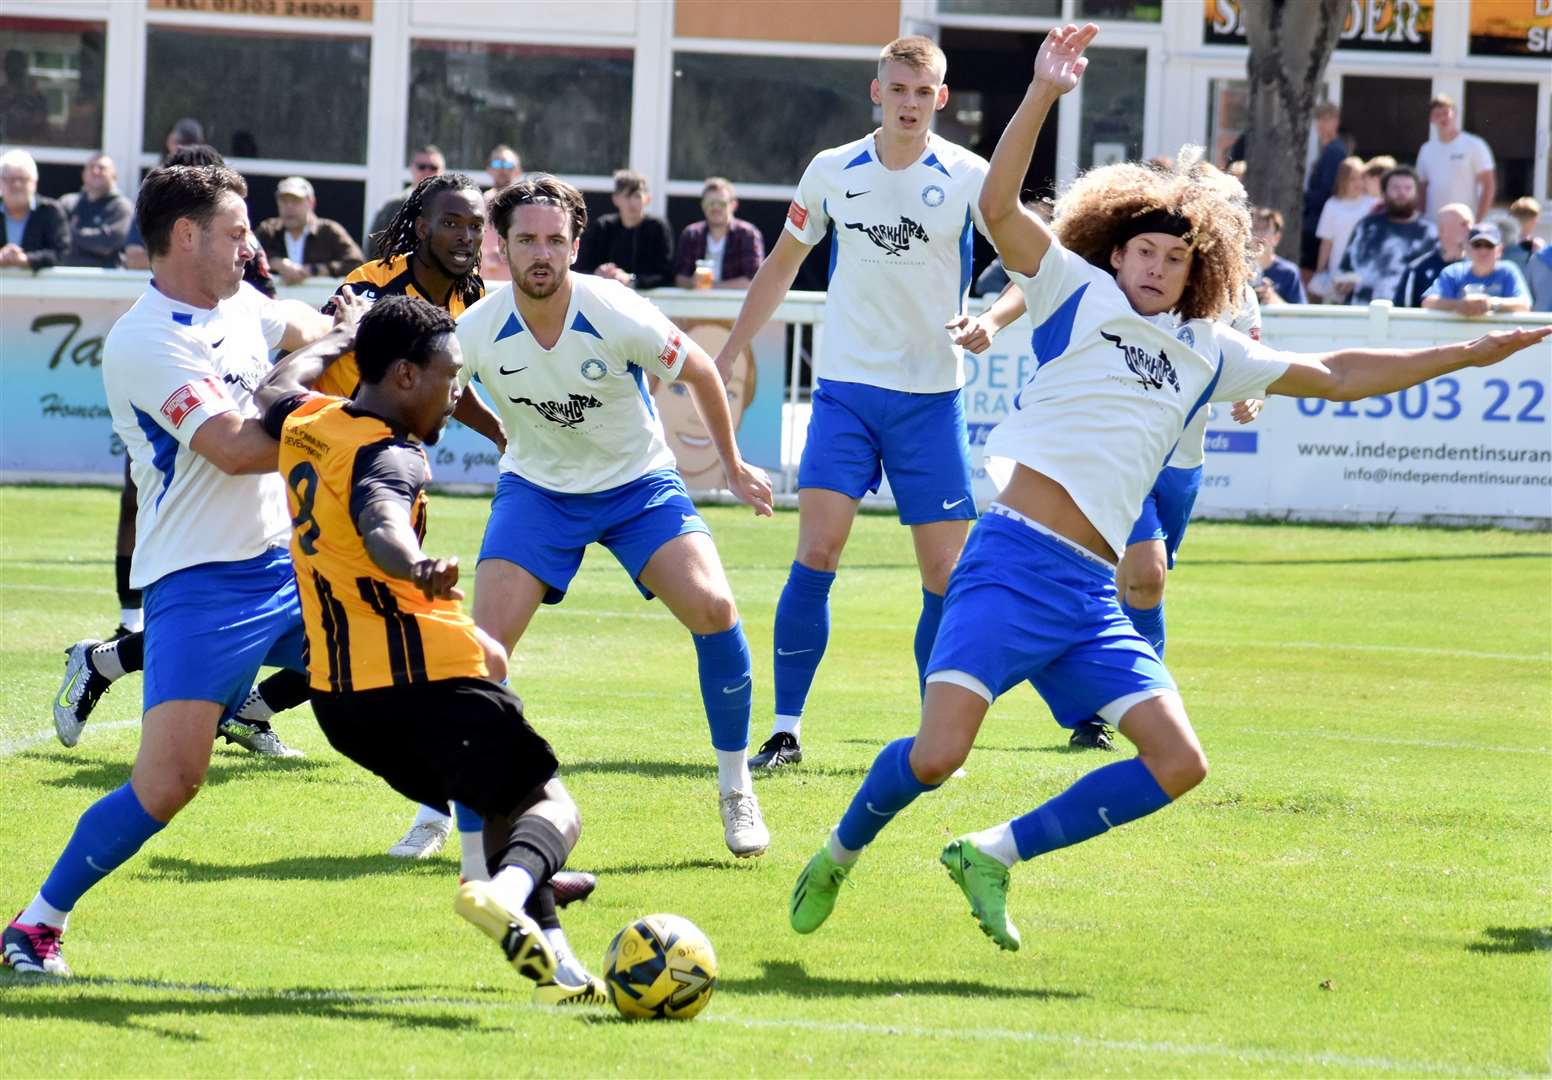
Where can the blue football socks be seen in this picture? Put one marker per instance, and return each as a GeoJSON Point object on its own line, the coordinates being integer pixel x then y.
{"type": "Point", "coordinates": [468, 820]}
{"type": "Point", "coordinates": [1099, 801]}
{"type": "Point", "coordinates": [726, 685]}
{"type": "Point", "coordinates": [889, 787]}
{"type": "Point", "coordinates": [111, 830]}
{"type": "Point", "coordinates": [926, 634]}
{"type": "Point", "coordinates": [1149, 623]}
{"type": "Point", "coordinates": [802, 632]}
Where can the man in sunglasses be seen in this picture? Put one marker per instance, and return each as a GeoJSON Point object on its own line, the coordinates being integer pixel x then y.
{"type": "Point", "coordinates": [426, 161]}
{"type": "Point", "coordinates": [505, 168]}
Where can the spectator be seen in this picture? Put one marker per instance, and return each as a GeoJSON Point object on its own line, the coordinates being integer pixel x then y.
{"type": "Point", "coordinates": [426, 161]}
{"type": "Point", "coordinates": [1322, 179]}
{"type": "Point", "coordinates": [1384, 243]}
{"type": "Point", "coordinates": [1348, 205]}
{"type": "Point", "coordinates": [1374, 174]}
{"type": "Point", "coordinates": [1454, 227]}
{"type": "Point", "coordinates": [629, 246]}
{"type": "Point", "coordinates": [1454, 165]}
{"type": "Point", "coordinates": [734, 248]}
{"type": "Point", "coordinates": [1526, 213]}
{"type": "Point", "coordinates": [1481, 283]}
{"type": "Point", "coordinates": [505, 167]}
{"type": "Point", "coordinates": [99, 217]}
{"type": "Point", "coordinates": [1279, 281]}
{"type": "Point", "coordinates": [37, 235]}
{"type": "Point", "coordinates": [186, 132]}
{"type": "Point", "coordinates": [299, 243]}
{"type": "Point", "coordinates": [1538, 273]}
{"type": "Point", "coordinates": [23, 106]}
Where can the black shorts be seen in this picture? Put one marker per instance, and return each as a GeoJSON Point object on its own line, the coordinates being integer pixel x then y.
{"type": "Point", "coordinates": [458, 739]}
{"type": "Point", "coordinates": [1309, 248]}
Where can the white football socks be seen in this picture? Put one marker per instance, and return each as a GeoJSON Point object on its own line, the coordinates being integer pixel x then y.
{"type": "Point", "coordinates": [998, 842]}
{"type": "Point", "coordinates": [792, 725]}
{"type": "Point", "coordinates": [733, 771]}
{"type": "Point", "coordinates": [512, 887]}
{"type": "Point", "coordinates": [104, 660]}
{"type": "Point", "coordinates": [845, 856]}
{"type": "Point", "coordinates": [132, 619]}
{"type": "Point", "coordinates": [41, 911]}
{"type": "Point", "coordinates": [567, 968]}
{"type": "Point", "coordinates": [428, 815]}
{"type": "Point", "coordinates": [471, 857]}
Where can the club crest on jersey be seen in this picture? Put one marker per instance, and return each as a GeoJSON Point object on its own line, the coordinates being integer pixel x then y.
{"type": "Point", "coordinates": [894, 239]}
{"type": "Point", "coordinates": [568, 413]}
{"type": "Point", "coordinates": [594, 369]}
{"type": "Point", "coordinates": [1152, 371]}
{"type": "Point", "coordinates": [1185, 334]}
{"type": "Point", "coordinates": [669, 356]}
{"type": "Point", "coordinates": [932, 195]}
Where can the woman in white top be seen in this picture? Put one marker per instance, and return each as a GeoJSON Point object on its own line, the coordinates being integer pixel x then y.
{"type": "Point", "coordinates": [1349, 205]}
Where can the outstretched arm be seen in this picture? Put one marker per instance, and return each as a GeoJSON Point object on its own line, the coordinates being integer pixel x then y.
{"type": "Point", "coordinates": [1351, 374]}
{"type": "Point", "coordinates": [766, 292]}
{"type": "Point", "coordinates": [1022, 239]}
{"type": "Point", "coordinates": [709, 393]}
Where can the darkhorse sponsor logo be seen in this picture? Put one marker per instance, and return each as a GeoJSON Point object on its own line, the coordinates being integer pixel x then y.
{"type": "Point", "coordinates": [568, 413]}
{"type": "Point", "coordinates": [1152, 371]}
{"type": "Point", "coordinates": [894, 239]}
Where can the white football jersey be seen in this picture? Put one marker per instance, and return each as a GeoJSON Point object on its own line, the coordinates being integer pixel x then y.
{"type": "Point", "coordinates": [167, 368]}
{"type": "Point", "coordinates": [579, 416]}
{"type": "Point", "coordinates": [1113, 390]}
{"type": "Point", "coordinates": [899, 261]}
{"type": "Point", "coordinates": [1190, 453]}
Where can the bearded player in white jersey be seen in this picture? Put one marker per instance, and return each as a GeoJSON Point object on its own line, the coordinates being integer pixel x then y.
{"type": "Point", "coordinates": [901, 202]}
{"type": "Point", "coordinates": [566, 358]}
{"type": "Point", "coordinates": [1124, 289]}
{"type": "Point", "coordinates": [179, 369]}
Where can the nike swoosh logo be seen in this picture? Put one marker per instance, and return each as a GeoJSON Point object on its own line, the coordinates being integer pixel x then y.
{"type": "Point", "coordinates": [689, 517]}
{"type": "Point", "coordinates": [512, 371]}
{"type": "Point", "coordinates": [791, 652]}
{"type": "Point", "coordinates": [877, 813]}
{"type": "Point", "coordinates": [736, 689]}
{"type": "Point", "coordinates": [854, 194]}
{"type": "Point", "coordinates": [64, 694]}
{"type": "Point", "coordinates": [1105, 817]}
{"type": "Point", "coordinates": [950, 505]}
{"type": "Point", "coordinates": [218, 344]}
{"type": "Point", "coordinates": [94, 866]}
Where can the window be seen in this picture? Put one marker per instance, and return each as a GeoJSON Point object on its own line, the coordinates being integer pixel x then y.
{"type": "Point", "coordinates": [1114, 93]}
{"type": "Point", "coordinates": [1386, 114]}
{"type": "Point", "coordinates": [52, 94]}
{"type": "Point", "coordinates": [1228, 114]}
{"type": "Point", "coordinates": [1039, 9]}
{"type": "Point", "coordinates": [1504, 114]}
{"type": "Point", "coordinates": [292, 96]}
{"type": "Point", "coordinates": [759, 119]}
{"type": "Point", "coordinates": [564, 110]}
{"type": "Point", "coordinates": [1134, 10]}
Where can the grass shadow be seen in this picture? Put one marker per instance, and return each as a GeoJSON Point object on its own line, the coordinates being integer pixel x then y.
{"type": "Point", "coordinates": [322, 867]}
{"type": "Point", "coordinates": [1384, 559]}
{"type": "Point", "coordinates": [668, 867]}
{"type": "Point", "coordinates": [654, 770]}
{"type": "Point", "coordinates": [1513, 939]}
{"type": "Point", "coordinates": [107, 775]}
{"type": "Point", "coordinates": [790, 977]}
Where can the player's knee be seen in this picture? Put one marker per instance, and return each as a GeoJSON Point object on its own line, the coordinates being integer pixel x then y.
{"type": "Point", "coordinates": [711, 613]}
{"type": "Point", "coordinates": [1180, 769]}
{"type": "Point", "coordinates": [820, 554]}
{"type": "Point", "coordinates": [933, 763]}
{"type": "Point", "coordinates": [167, 793]}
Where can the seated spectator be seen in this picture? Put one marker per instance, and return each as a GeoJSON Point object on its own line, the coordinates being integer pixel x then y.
{"type": "Point", "coordinates": [1481, 283]}
{"type": "Point", "coordinates": [37, 235]}
{"type": "Point", "coordinates": [1348, 205]}
{"type": "Point", "coordinates": [186, 132]}
{"type": "Point", "coordinates": [299, 243]}
{"type": "Point", "coordinates": [426, 161]}
{"type": "Point", "coordinates": [1538, 274]}
{"type": "Point", "coordinates": [99, 217]}
{"type": "Point", "coordinates": [1454, 226]}
{"type": "Point", "coordinates": [735, 249]}
{"type": "Point", "coordinates": [629, 246]}
{"type": "Point", "coordinates": [505, 167]}
{"type": "Point", "coordinates": [1526, 213]}
{"type": "Point", "coordinates": [1384, 243]}
{"type": "Point", "coordinates": [1279, 281]}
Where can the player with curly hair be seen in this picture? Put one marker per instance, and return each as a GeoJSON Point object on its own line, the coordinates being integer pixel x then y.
{"type": "Point", "coordinates": [1133, 252]}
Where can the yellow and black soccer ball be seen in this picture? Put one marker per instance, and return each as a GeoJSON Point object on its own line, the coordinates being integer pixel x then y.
{"type": "Point", "coordinates": [660, 967]}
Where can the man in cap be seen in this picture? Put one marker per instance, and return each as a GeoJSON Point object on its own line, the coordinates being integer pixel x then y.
{"type": "Point", "coordinates": [299, 243]}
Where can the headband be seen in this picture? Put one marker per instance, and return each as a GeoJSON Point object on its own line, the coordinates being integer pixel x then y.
{"type": "Point", "coordinates": [1154, 221]}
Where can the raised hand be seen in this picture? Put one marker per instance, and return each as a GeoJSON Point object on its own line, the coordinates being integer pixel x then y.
{"type": "Point", "coordinates": [1060, 63]}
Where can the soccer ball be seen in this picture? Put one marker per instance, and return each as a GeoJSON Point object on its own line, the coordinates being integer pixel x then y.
{"type": "Point", "coordinates": [660, 966]}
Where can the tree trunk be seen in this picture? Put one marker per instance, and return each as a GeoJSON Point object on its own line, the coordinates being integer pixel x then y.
{"type": "Point", "coordinates": [1290, 43]}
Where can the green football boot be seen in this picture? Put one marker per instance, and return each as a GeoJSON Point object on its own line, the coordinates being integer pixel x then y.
{"type": "Point", "coordinates": [984, 881]}
{"type": "Point", "coordinates": [813, 897]}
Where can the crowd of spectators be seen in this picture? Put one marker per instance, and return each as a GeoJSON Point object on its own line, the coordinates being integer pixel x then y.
{"type": "Point", "coordinates": [1420, 235]}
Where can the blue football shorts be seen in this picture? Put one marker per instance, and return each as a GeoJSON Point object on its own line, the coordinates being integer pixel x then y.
{"type": "Point", "coordinates": [546, 532]}
{"type": "Point", "coordinates": [857, 433]}
{"type": "Point", "coordinates": [1024, 604]}
{"type": "Point", "coordinates": [1166, 510]}
{"type": "Point", "coordinates": [209, 628]}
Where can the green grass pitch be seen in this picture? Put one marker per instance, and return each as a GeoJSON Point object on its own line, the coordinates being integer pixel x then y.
{"type": "Point", "coordinates": [1363, 886]}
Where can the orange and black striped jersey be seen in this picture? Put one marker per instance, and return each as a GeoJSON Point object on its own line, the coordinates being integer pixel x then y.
{"type": "Point", "coordinates": [393, 276]}
{"type": "Point", "coordinates": [364, 628]}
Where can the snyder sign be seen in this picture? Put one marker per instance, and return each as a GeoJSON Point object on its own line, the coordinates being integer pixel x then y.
{"type": "Point", "coordinates": [1473, 445]}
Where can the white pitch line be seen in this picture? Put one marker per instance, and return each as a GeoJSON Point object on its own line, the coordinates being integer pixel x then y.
{"type": "Point", "coordinates": [1427, 744]}
{"type": "Point", "coordinates": [1418, 650]}
{"type": "Point", "coordinates": [1077, 1042]}
{"type": "Point", "coordinates": [11, 747]}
